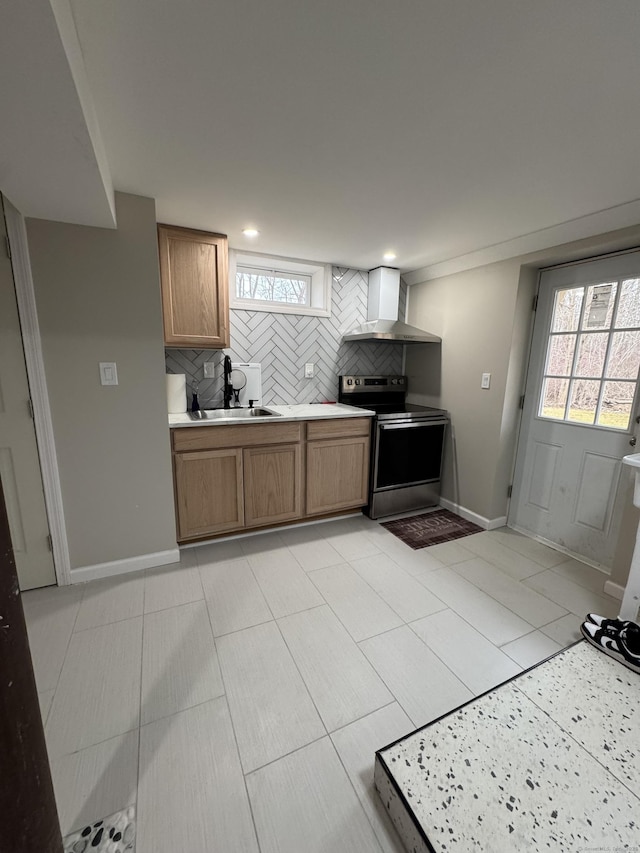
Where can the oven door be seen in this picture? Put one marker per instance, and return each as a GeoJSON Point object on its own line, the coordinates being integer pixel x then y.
{"type": "Point", "coordinates": [407, 453]}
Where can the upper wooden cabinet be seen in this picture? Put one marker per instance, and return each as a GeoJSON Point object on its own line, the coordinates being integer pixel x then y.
{"type": "Point", "coordinates": [194, 274]}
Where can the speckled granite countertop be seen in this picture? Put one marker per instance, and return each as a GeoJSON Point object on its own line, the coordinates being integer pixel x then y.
{"type": "Point", "coordinates": [302, 412]}
{"type": "Point", "coordinates": [548, 761]}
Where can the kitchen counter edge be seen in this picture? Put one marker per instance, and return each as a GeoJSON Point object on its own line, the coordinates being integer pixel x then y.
{"type": "Point", "coordinates": [302, 412]}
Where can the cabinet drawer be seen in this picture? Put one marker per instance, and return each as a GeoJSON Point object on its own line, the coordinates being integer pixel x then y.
{"type": "Point", "coordinates": [338, 428]}
{"type": "Point", "coordinates": [241, 435]}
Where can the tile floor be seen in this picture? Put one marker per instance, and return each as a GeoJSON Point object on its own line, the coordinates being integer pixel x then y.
{"type": "Point", "coordinates": [237, 698]}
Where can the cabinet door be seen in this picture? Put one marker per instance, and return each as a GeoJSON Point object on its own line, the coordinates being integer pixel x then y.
{"type": "Point", "coordinates": [272, 484]}
{"type": "Point", "coordinates": [195, 288]}
{"type": "Point", "coordinates": [337, 474]}
{"type": "Point", "coordinates": [208, 492]}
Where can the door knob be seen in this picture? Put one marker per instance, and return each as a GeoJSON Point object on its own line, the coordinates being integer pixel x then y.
{"type": "Point", "coordinates": [632, 441]}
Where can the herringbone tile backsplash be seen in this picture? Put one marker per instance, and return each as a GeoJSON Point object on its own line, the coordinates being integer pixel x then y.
{"type": "Point", "coordinates": [283, 343]}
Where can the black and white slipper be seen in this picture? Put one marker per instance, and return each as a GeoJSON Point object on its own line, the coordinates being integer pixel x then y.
{"type": "Point", "coordinates": [623, 645]}
{"type": "Point", "coordinates": [608, 624]}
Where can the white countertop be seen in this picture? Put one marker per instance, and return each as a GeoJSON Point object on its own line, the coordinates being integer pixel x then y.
{"type": "Point", "coordinates": [302, 412]}
{"type": "Point", "coordinates": [548, 760]}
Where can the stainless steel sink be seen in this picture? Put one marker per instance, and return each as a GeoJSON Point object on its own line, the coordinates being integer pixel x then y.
{"type": "Point", "coordinates": [232, 414]}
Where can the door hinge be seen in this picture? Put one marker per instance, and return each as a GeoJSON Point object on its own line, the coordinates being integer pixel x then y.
{"type": "Point", "coordinates": [521, 403]}
{"type": "Point", "coordinates": [509, 491]}
{"type": "Point", "coordinates": [7, 246]}
{"type": "Point", "coordinates": [534, 307]}
{"type": "Point", "coordinates": [49, 542]}
{"type": "Point", "coordinates": [30, 407]}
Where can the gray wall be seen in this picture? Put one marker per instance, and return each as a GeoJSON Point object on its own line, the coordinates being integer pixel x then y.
{"type": "Point", "coordinates": [283, 343]}
{"type": "Point", "coordinates": [484, 317]}
{"type": "Point", "coordinates": [98, 299]}
{"type": "Point", "coordinates": [474, 314]}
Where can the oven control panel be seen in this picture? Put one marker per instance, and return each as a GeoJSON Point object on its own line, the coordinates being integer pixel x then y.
{"type": "Point", "coordinates": [358, 384]}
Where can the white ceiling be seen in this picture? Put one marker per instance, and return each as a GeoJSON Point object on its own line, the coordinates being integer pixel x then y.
{"type": "Point", "coordinates": [52, 162]}
{"type": "Point", "coordinates": [343, 128]}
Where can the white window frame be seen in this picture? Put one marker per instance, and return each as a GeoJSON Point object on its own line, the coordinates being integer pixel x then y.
{"type": "Point", "coordinates": [582, 329]}
{"type": "Point", "coordinates": [320, 296]}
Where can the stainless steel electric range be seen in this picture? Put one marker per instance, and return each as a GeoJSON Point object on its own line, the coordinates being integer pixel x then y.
{"type": "Point", "coordinates": [407, 444]}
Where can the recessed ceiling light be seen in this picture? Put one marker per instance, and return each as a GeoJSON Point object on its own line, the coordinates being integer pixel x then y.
{"type": "Point", "coordinates": [250, 232]}
{"type": "Point", "coordinates": [389, 256]}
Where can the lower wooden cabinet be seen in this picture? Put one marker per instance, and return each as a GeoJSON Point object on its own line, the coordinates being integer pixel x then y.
{"type": "Point", "coordinates": [230, 478]}
{"type": "Point", "coordinates": [272, 484]}
{"type": "Point", "coordinates": [337, 474]}
{"type": "Point", "coordinates": [209, 492]}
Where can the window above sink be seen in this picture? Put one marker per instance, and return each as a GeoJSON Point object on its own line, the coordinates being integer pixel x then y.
{"type": "Point", "coordinates": [279, 285]}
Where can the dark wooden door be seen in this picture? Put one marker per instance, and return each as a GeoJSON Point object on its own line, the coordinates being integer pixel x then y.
{"type": "Point", "coordinates": [29, 820]}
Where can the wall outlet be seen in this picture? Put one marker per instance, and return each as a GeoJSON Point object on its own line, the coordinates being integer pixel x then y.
{"type": "Point", "coordinates": [108, 373]}
{"type": "Point", "coordinates": [308, 370]}
{"type": "Point", "coordinates": [209, 369]}
{"type": "Point", "coordinates": [486, 380]}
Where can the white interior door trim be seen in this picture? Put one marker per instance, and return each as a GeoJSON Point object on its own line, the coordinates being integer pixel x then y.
{"type": "Point", "coordinates": [27, 311]}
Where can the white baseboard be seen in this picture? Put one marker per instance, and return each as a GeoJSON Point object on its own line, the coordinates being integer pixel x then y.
{"type": "Point", "coordinates": [123, 567]}
{"type": "Point", "coordinates": [480, 520]}
{"type": "Point", "coordinates": [614, 590]}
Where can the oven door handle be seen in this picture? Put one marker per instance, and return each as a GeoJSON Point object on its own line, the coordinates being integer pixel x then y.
{"type": "Point", "coordinates": [413, 424]}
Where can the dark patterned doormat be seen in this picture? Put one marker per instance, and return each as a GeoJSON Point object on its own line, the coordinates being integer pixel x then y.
{"type": "Point", "coordinates": [431, 528]}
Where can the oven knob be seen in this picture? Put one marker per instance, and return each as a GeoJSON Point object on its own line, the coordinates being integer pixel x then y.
{"type": "Point", "coordinates": [401, 380]}
{"type": "Point", "coordinates": [349, 381]}
{"type": "Point", "coordinates": [357, 382]}
{"type": "Point", "coordinates": [394, 381]}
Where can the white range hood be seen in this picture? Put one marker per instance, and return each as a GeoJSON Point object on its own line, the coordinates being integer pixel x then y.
{"type": "Point", "coordinates": [382, 313]}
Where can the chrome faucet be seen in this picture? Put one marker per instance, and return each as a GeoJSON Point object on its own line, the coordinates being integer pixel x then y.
{"type": "Point", "coordinates": [228, 389]}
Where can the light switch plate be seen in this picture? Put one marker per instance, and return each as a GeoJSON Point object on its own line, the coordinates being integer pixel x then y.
{"type": "Point", "coordinates": [209, 369]}
{"type": "Point", "coordinates": [108, 373]}
{"type": "Point", "coordinates": [308, 370]}
{"type": "Point", "coordinates": [486, 380]}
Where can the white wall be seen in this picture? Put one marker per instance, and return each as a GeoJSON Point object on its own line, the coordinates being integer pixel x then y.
{"type": "Point", "coordinates": [98, 299]}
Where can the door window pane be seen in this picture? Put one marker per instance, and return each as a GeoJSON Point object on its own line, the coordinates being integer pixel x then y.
{"type": "Point", "coordinates": [592, 351]}
{"type": "Point", "coordinates": [617, 400]}
{"type": "Point", "coordinates": [560, 357]}
{"type": "Point", "coordinates": [625, 355]}
{"type": "Point", "coordinates": [628, 313]}
{"type": "Point", "coordinates": [592, 362]}
{"type": "Point", "coordinates": [584, 401]}
{"type": "Point", "coordinates": [600, 302]}
{"type": "Point", "coordinates": [554, 398]}
{"type": "Point", "coordinates": [567, 309]}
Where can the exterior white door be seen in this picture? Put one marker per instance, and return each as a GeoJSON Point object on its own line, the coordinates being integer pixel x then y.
{"type": "Point", "coordinates": [19, 462]}
{"type": "Point", "coordinates": [581, 405]}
